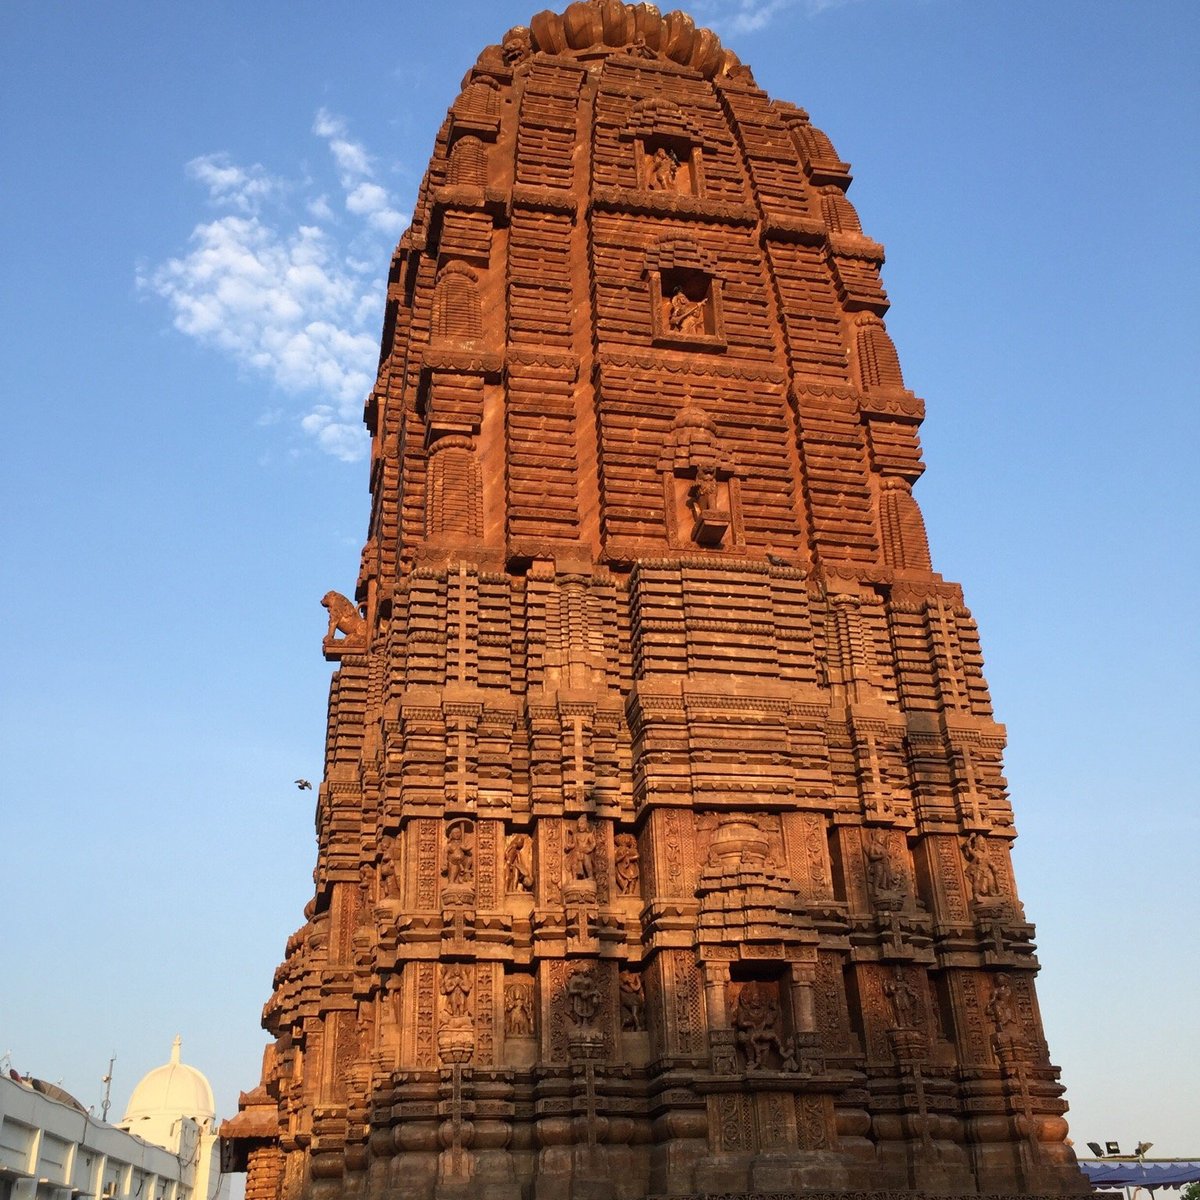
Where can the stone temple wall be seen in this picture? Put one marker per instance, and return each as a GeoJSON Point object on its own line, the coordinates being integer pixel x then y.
{"type": "Point", "coordinates": [663, 839]}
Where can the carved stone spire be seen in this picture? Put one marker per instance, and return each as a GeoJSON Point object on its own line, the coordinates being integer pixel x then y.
{"type": "Point", "coordinates": [663, 843]}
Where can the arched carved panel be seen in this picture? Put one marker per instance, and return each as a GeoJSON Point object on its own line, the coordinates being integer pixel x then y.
{"type": "Point", "coordinates": [468, 162]}
{"type": "Point", "coordinates": [905, 544]}
{"type": "Point", "coordinates": [453, 497]}
{"type": "Point", "coordinates": [878, 364]}
{"type": "Point", "coordinates": [456, 310]}
{"type": "Point", "coordinates": [838, 213]}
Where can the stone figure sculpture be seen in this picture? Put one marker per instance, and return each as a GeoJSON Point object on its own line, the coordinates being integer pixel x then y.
{"type": "Point", "coordinates": [518, 863]}
{"type": "Point", "coordinates": [581, 850]}
{"type": "Point", "coordinates": [881, 875]}
{"type": "Point", "coordinates": [982, 880]}
{"type": "Point", "coordinates": [456, 991]}
{"type": "Point", "coordinates": [756, 1019]}
{"type": "Point", "coordinates": [518, 1010]}
{"type": "Point", "coordinates": [633, 1002]}
{"type": "Point", "coordinates": [344, 617]}
{"type": "Point", "coordinates": [905, 1002]}
{"type": "Point", "coordinates": [685, 315]}
{"type": "Point", "coordinates": [584, 998]}
{"type": "Point", "coordinates": [625, 864]}
{"type": "Point", "coordinates": [664, 167]}
{"type": "Point", "coordinates": [458, 866]}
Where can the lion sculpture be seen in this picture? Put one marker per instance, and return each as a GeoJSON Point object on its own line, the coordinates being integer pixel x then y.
{"type": "Point", "coordinates": [344, 617]}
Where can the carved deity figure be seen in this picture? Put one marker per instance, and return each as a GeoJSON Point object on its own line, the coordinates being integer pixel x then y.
{"type": "Point", "coordinates": [584, 998]}
{"type": "Point", "coordinates": [906, 1004]}
{"type": "Point", "coordinates": [518, 1010]}
{"type": "Point", "coordinates": [664, 168]}
{"type": "Point", "coordinates": [580, 845]}
{"type": "Point", "coordinates": [625, 866]}
{"type": "Point", "coordinates": [456, 991]}
{"type": "Point", "coordinates": [982, 879]}
{"type": "Point", "coordinates": [389, 888]}
{"type": "Point", "coordinates": [685, 316]}
{"type": "Point", "coordinates": [344, 616]}
{"type": "Point", "coordinates": [1001, 1008]}
{"type": "Point", "coordinates": [518, 863]}
{"type": "Point", "coordinates": [881, 875]}
{"type": "Point", "coordinates": [458, 855]}
{"type": "Point", "coordinates": [704, 493]}
{"type": "Point", "coordinates": [756, 1020]}
{"type": "Point", "coordinates": [633, 1002]}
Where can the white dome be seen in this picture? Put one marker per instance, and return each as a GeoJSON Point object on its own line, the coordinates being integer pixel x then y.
{"type": "Point", "coordinates": [171, 1091]}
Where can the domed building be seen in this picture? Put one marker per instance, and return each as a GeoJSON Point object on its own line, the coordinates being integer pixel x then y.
{"type": "Point", "coordinates": [168, 1100]}
{"type": "Point", "coordinates": [164, 1148]}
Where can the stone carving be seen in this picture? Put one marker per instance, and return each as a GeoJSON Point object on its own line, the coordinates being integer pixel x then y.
{"type": "Point", "coordinates": [756, 1019]}
{"type": "Point", "coordinates": [1001, 1009]}
{"type": "Point", "coordinates": [518, 1010]}
{"type": "Point", "coordinates": [456, 993]}
{"type": "Point", "coordinates": [982, 880]}
{"type": "Point", "coordinates": [518, 863]}
{"type": "Point", "coordinates": [639, 48]}
{"type": "Point", "coordinates": [580, 850]}
{"type": "Point", "coordinates": [642, 543]}
{"type": "Point", "coordinates": [625, 864]}
{"type": "Point", "coordinates": [881, 874]}
{"type": "Point", "coordinates": [704, 493]}
{"type": "Point", "coordinates": [684, 314]}
{"type": "Point", "coordinates": [906, 1004]}
{"type": "Point", "coordinates": [516, 45]}
{"type": "Point", "coordinates": [344, 618]}
{"type": "Point", "coordinates": [583, 998]}
{"type": "Point", "coordinates": [633, 1002]}
{"type": "Point", "coordinates": [389, 887]}
{"type": "Point", "coordinates": [459, 856]}
{"type": "Point", "coordinates": [664, 167]}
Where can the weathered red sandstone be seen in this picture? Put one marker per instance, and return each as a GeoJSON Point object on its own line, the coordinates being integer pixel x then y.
{"type": "Point", "coordinates": [663, 840]}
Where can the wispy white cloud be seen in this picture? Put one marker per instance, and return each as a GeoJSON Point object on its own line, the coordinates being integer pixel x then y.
{"type": "Point", "coordinates": [364, 197]}
{"type": "Point", "coordinates": [751, 16]}
{"type": "Point", "coordinates": [243, 188]}
{"type": "Point", "coordinates": [297, 301]}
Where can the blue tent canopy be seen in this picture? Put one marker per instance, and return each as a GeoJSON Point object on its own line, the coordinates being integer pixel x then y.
{"type": "Point", "coordinates": [1141, 1174]}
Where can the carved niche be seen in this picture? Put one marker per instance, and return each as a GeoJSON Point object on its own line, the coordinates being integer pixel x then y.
{"type": "Point", "coordinates": [902, 528]}
{"type": "Point", "coordinates": [468, 162]}
{"type": "Point", "coordinates": [456, 311]}
{"type": "Point", "coordinates": [685, 296]}
{"type": "Point", "coordinates": [756, 1013]}
{"type": "Point", "coordinates": [453, 490]}
{"type": "Point", "coordinates": [458, 857]}
{"type": "Point", "coordinates": [668, 148]}
{"type": "Point", "coordinates": [455, 366]}
{"type": "Point", "coordinates": [518, 864]}
{"type": "Point", "coordinates": [878, 364]}
{"type": "Point", "coordinates": [838, 213]}
{"type": "Point", "coordinates": [477, 109]}
{"type": "Point", "coordinates": [701, 494]}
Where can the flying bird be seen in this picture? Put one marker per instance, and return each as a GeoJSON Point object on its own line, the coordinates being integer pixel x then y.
{"type": "Point", "coordinates": [304, 785]}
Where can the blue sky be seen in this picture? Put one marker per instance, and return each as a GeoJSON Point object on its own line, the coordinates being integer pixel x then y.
{"type": "Point", "coordinates": [197, 207]}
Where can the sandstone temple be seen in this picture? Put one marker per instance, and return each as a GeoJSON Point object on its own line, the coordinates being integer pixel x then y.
{"type": "Point", "coordinates": [663, 844]}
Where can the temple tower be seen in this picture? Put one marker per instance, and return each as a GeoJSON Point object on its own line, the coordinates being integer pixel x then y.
{"type": "Point", "coordinates": [663, 845]}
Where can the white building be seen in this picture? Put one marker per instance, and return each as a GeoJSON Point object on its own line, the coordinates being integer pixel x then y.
{"type": "Point", "coordinates": [165, 1147]}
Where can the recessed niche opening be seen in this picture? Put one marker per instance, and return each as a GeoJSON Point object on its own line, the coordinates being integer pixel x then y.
{"type": "Point", "coordinates": [669, 166]}
{"type": "Point", "coordinates": [688, 308]}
